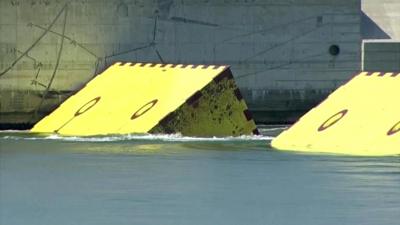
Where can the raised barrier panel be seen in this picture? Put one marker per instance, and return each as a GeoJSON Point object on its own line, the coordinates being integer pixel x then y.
{"type": "Point", "coordinates": [154, 98]}
{"type": "Point", "coordinates": [360, 118]}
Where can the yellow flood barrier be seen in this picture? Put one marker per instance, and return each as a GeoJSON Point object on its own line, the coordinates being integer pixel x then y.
{"type": "Point", "coordinates": [193, 100]}
{"type": "Point", "coordinates": [360, 118]}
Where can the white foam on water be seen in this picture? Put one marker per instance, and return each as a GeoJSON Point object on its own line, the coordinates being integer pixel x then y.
{"type": "Point", "coordinates": [14, 131]}
{"type": "Point", "coordinates": [273, 129]}
{"type": "Point", "coordinates": [143, 137]}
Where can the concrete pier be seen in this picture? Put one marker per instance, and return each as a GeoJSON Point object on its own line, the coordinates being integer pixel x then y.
{"type": "Point", "coordinates": [286, 55]}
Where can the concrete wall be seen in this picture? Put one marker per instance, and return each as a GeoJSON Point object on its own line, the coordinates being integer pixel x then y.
{"type": "Point", "coordinates": [381, 19]}
{"type": "Point", "coordinates": [381, 29]}
{"type": "Point", "coordinates": [283, 53]}
{"type": "Point", "coordinates": [381, 56]}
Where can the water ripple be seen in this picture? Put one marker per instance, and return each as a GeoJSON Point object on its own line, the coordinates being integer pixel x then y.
{"type": "Point", "coordinates": [143, 137]}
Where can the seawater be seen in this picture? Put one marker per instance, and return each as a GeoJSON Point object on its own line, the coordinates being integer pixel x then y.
{"type": "Point", "coordinates": [170, 179]}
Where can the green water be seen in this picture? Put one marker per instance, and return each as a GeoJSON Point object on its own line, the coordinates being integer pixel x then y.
{"type": "Point", "coordinates": [179, 180]}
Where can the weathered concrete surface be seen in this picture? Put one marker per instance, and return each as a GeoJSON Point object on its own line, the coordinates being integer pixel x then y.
{"type": "Point", "coordinates": [381, 31]}
{"type": "Point", "coordinates": [381, 55]}
{"type": "Point", "coordinates": [384, 18]}
{"type": "Point", "coordinates": [282, 53]}
{"type": "Point", "coordinates": [273, 105]}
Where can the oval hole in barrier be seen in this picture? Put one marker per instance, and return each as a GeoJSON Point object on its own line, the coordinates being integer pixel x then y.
{"type": "Point", "coordinates": [333, 120]}
{"type": "Point", "coordinates": [144, 109]}
{"type": "Point", "coordinates": [394, 130]}
{"type": "Point", "coordinates": [87, 106]}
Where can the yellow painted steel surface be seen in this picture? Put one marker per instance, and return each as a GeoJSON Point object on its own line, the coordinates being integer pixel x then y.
{"type": "Point", "coordinates": [360, 118]}
{"type": "Point", "coordinates": [133, 98]}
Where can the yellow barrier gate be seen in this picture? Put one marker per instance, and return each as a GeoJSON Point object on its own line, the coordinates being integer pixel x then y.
{"type": "Point", "coordinates": [360, 118]}
{"type": "Point", "coordinates": [154, 98]}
